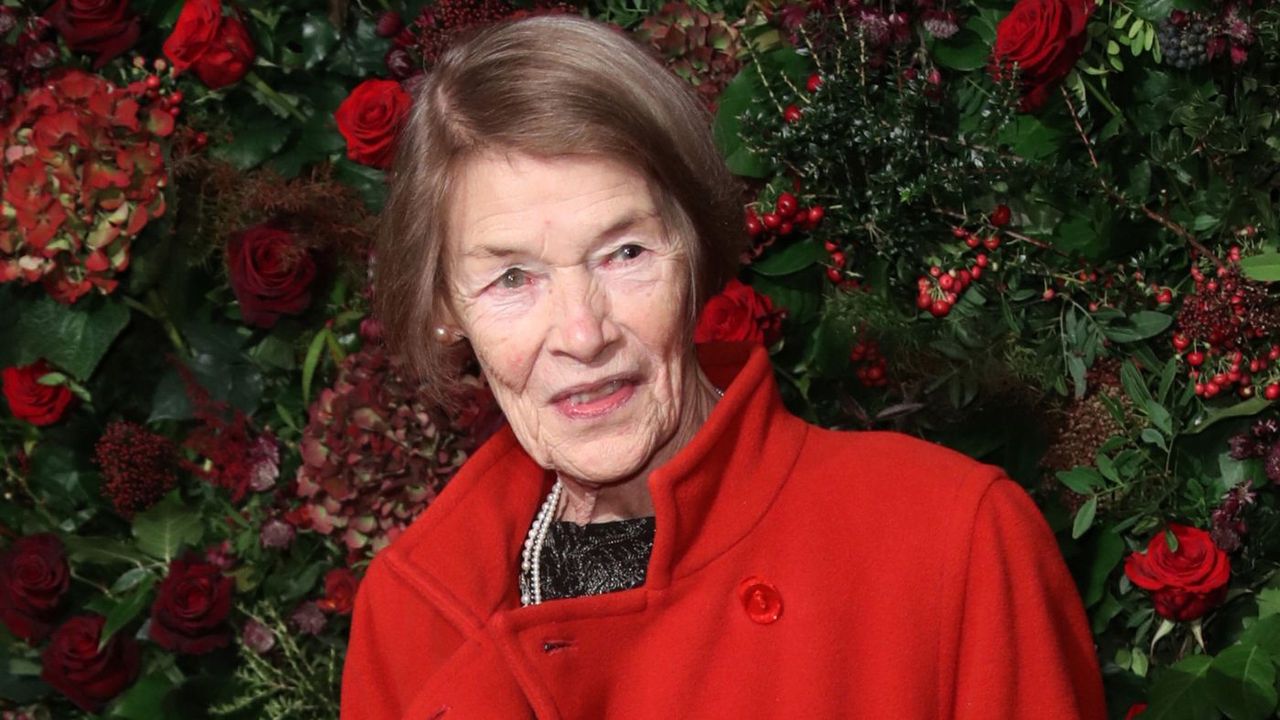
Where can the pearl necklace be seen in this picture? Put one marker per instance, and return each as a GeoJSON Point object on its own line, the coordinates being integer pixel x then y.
{"type": "Point", "coordinates": [531, 555]}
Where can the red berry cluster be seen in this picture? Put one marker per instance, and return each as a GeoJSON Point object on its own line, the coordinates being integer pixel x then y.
{"type": "Point", "coordinates": [870, 367]}
{"type": "Point", "coordinates": [940, 290]}
{"type": "Point", "coordinates": [138, 466]}
{"type": "Point", "coordinates": [792, 113]}
{"type": "Point", "coordinates": [787, 217]}
{"type": "Point", "coordinates": [1226, 329]}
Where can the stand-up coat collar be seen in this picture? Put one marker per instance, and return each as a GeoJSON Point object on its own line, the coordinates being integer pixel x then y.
{"type": "Point", "coordinates": [705, 500]}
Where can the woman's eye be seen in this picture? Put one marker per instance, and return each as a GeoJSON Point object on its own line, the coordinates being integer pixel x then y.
{"type": "Point", "coordinates": [628, 252]}
{"type": "Point", "coordinates": [513, 279]}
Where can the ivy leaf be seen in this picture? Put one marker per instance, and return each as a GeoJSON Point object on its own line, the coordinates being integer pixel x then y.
{"type": "Point", "coordinates": [1242, 682]}
{"type": "Point", "coordinates": [165, 527]}
{"type": "Point", "coordinates": [1181, 692]}
{"type": "Point", "coordinates": [75, 338]}
{"type": "Point", "coordinates": [790, 259]}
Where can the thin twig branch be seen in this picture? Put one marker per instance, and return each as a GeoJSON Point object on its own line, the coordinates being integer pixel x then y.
{"type": "Point", "coordinates": [1160, 218]}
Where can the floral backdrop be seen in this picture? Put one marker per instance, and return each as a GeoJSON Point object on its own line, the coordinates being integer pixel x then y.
{"type": "Point", "coordinates": [1042, 232]}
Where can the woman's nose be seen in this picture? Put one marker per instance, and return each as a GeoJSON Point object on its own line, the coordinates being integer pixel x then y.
{"type": "Point", "coordinates": [581, 326]}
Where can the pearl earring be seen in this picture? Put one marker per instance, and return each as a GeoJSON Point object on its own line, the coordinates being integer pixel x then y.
{"type": "Point", "coordinates": [445, 336]}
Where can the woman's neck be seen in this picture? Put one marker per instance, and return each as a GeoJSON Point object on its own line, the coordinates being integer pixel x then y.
{"type": "Point", "coordinates": [593, 503]}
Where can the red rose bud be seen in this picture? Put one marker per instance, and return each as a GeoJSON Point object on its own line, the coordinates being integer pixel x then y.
{"type": "Point", "coordinates": [1000, 216]}
{"type": "Point", "coordinates": [369, 119]}
{"type": "Point", "coordinates": [340, 586]}
{"type": "Point", "coordinates": [102, 28]}
{"type": "Point", "coordinates": [1186, 583]}
{"type": "Point", "coordinates": [270, 274]}
{"type": "Point", "coordinates": [73, 665]}
{"type": "Point", "coordinates": [216, 47]}
{"type": "Point", "coordinates": [1043, 39]}
{"type": "Point", "coordinates": [34, 578]}
{"type": "Point", "coordinates": [389, 24]}
{"type": "Point", "coordinates": [738, 313]}
{"type": "Point", "coordinates": [191, 607]}
{"type": "Point", "coordinates": [31, 401]}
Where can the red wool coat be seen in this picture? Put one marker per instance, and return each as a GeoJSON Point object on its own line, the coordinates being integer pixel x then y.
{"type": "Point", "coordinates": [796, 573]}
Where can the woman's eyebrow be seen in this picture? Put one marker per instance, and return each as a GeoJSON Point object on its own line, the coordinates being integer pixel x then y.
{"type": "Point", "coordinates": [617, 227]}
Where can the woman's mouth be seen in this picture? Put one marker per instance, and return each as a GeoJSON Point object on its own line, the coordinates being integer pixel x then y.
{"type": "Point", "coordinates": [595, 400]}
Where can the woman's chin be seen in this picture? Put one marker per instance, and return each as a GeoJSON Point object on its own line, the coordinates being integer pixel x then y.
{"type": "Point", "coordinates": [602, 464]}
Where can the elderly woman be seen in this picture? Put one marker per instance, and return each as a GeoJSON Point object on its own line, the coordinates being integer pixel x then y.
{"type": "Point", "coordinates": [653, 535]}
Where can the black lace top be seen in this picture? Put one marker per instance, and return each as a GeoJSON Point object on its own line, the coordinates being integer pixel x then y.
{"type": "Point", "coordinates": [594, 558]}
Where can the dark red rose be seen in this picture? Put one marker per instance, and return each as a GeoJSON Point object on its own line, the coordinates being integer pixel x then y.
{"type": "Point", "coordinates": [1186, 583]}
{"type": "Point", "coordinates": [103, 28]}
{"type": "Point", "coordinates": [738, 313]}
{"type": "Point", "coordinates": [28, 399]}
{"type": "Point", "coordinates": [1135, 711]}
{"type": "Point", "coordinates": [74, 667]}
{"type": "Point", "coordinates": [369, 119]}
{"type": "Point", "coordinates": [1042, 39]}
{"type": "Point", "coordinates": [270, 274]}
{"type": "Point", "coordinates": [190, 611]}
{"type": "Point", "coordinates": [216, 47]}
{"type": "Point", "coordinates": [33, 580]}
{"type": "Point", "coordinates": [339, 591]}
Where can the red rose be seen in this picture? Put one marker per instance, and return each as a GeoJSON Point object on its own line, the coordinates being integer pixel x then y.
{"type": "Point", "coordinates": [270, 274]}
{"type": "Point", "coordinates": [104, 28]}
{"type": "Point", "coordinates": [28, 399]}
{"type": "Point", "coordinates": [1185, 583]}
{"type": "Point", "coordinates": [1135, 711]}
{"type": "Point", "coordinates": [1043, 39]}
{"type": "Point", "coordinates": [74, 667]}
{"type": "Point", "coordinates": [217, 47]}
{"type": "Point", "coordinates": [738, 313]}
{"type": "Point", "coordinates": [191, 606]}
{"type": "Point", "coordinates": [33, 580]}
{"type": "Point", "coordinates": [369, 119]}
{"type": "Point", "coordinates": [339, 591]}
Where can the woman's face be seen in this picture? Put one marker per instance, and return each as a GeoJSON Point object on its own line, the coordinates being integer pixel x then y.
{"type": "Point", "coordinates": [573, 297]}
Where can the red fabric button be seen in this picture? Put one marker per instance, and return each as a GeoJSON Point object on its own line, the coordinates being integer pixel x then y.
{"type": "Point", "coordinates": [761, 600]}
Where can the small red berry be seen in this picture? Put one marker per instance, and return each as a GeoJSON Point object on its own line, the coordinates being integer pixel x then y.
{"type": "Point", "coordinates": [981, 259]}
{"type": "Point", "coordinates": [1180, 342]}
{"type": "Point", "coordinates": [786, 227]}
{"type": "Point", "coordinates": [830, 247]}
{"type": "Point", "coordinates": [786, 205]}
{"type": "Point", "coordinates": [1049, 294]}
{"type": "Point", "coordinates": [923, 301]}
{"type": "Point", "coordinates": [935, 271]}
{"type": "Point", "coordinates": [959, 232]}
{"type": "Point", "coordinates": [1195, 359]}
{"type": "Point", "coordinates": [992, 242]}
{"type": "Point", "coordinates": [946, 282]}
{"type": "Point", "coordinates": [753, 226]}
{"type": "Point", "coordinates": [833, 274]}
{"type": "Point", "coordinates": [1272, 391]}
{"type": "Point", "coordinates": [816, 213]}
{"type": "Point", "coordinates": [1000, 216]}
{"type": "Point", "coordinates": [815, 82]}
{"type": "Point", "coordinates": [973, 241]}
{"type": "Point", "coordinates": [152, 82]}
{"type": "Point", "coordinates": [939, 308]}
{"type": "Point", "coordinates": [837, 258]}
{"type": "Point", "coordinates": [791, 114]}
{"type": "Point", "coordinates": [1165, 297]}
{"type": "Point", "coordinates": [771, 220]}
{"type": "Point", "coordinates": [975, 272]}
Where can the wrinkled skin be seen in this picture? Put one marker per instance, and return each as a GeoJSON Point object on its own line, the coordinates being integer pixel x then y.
{"type": "Point", "coordinates": [554, 292]}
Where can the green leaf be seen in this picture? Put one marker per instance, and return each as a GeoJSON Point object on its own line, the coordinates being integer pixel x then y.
{"type": "Point", "coordinates": [1242, 682]}
{"type": "Point", "coordinates": [1031, 138]}
{"type": "Point", "coordinates": [144, 700]}
{"type": "Point", "coordinates": [1138, 326]}
{"type": "Point", "coordinates": [793, 258]}
{"type": "Point", "coordinates": [1181, 692]}
{"type": "Point", "coordinates": [1268, 602]}
{"type": "Point", "coordinates": [1264, 267]}
{"type": "Point", "coordinates": [1153, 10]}
{"type": "Point", "coordinates": [1109, 549]}
{"type": "Point", "coordinates": [72, 337]}
{"type": "Point", "coordinates": [965, 50]}
{"type": "Point", "coordinates": [1265, 633]}
{"type": "Point", "coordinates": [167, 526]}
{"type": "Point", "coordinates": [1082, 480]}
{"type": "Point", "coordinates": [126, 610]}
{"type": "Point", "coordinates": [1252, 406]}
{"type": "Point", "coordinates": [253, 141]}
{"type": "Point", "coordinates": [1153, 436]}
{"type": "Point", "coordinates": [102, 551]}
{"type": "Point", "coordinates": [1084, 518]}
{"type": "Point", "coordinates": [312, 361]}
